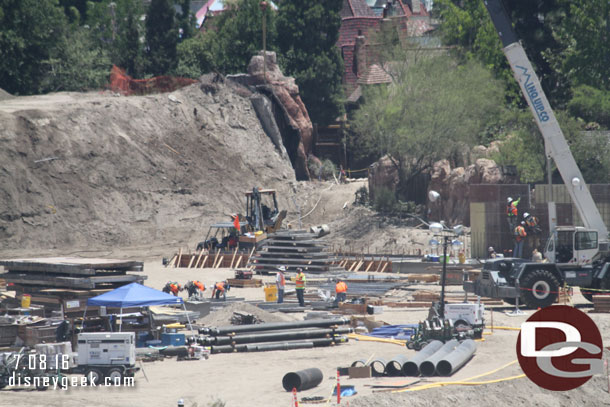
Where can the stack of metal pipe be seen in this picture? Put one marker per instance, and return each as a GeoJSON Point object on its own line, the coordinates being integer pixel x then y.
{"type": "Point", "coordinates": [275, 336]}
{"type": "Point", "coordinates": [435, 358]}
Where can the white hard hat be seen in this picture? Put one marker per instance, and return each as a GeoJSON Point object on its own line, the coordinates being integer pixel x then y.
{"type": "Point", "coordinates": [281, 268]}
{"type": "Point", "coordinates": [509, 199]}
{"type": "Point", "coordinates": [491, 249]}
{"type": "Point", "coordinates": [525, 215]}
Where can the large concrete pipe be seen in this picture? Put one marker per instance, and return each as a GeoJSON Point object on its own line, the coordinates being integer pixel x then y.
{"type": "Point", "coordinates": [303, 379]}
{"type": "Point", "coordinates": [394, 368]}
{"type": "Point", "coordinates": [273, 326]}
{"type": "Point", "coordinates": [378, 367]}
{"type": "Point", "coordinates": [456, 359]}
{"type": "Point", "coordinates": [359, 363]}
{"type": "Point", "coordinates": [411, 367]}
{"type": "Point", "coordinates": [428, 366]}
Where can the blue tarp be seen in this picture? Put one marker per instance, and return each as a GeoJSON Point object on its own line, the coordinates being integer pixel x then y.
{"type": "Point", "coordinates": [134, 295]}
{"type": "Point", "coordinates": [394, 331]}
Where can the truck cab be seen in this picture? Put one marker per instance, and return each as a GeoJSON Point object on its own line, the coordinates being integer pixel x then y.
{"type": "Point", "coordinates": [572, 246]}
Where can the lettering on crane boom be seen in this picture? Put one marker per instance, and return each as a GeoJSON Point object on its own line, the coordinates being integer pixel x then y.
{"type": "Point", "coordinates": [533, 95]}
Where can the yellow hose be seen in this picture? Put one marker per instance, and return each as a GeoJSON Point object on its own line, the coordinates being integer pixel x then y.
{"type": "Point", "coordinates": [465, 381]}
{"type": "Point", "coordinates": [366, 338]}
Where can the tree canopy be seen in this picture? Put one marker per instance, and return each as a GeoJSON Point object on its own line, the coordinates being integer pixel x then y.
{"type": "Point", "coordinates": [434, 106]}
{"type": "Point", "coordinates": [307, 33]}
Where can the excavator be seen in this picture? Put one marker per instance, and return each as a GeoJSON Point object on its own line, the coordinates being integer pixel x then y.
{"type": "Point", "coordinates": [576, 256]}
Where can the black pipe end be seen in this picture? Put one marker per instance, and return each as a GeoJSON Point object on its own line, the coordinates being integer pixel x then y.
{"type": "Point", "coordinates": [427, 368]}
{"type": "Point", "coordinates": [378, 368]}
{"type": "Point", "coordinates": [393, 369]}
{"type": "Point", "coordinates": [291, 381]}
{"type": "Point", "coordinates": [444, 368]}
{"type": "Point", "coordinates": [410, 369]}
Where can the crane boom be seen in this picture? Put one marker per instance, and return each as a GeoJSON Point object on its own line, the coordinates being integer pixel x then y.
{"type": "Point", "coordinates": [555, 141]}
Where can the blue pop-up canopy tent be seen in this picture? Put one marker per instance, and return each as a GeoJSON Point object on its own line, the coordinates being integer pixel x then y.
{"type": "Point", "coordinates": [135, 295]}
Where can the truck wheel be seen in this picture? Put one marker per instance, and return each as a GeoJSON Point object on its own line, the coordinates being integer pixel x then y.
{"type": "Point", "coordinates": [539, 289]}
{"type": "Point", "coordinates": [115, 374]}
{"type": "Point", "coordinates": [94, 376]}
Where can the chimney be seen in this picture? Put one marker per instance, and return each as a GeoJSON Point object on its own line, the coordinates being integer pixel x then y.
{"type": "Point", "coordinates": [416, 6]}
{"type": "Point", "coordinates": [360, 55]}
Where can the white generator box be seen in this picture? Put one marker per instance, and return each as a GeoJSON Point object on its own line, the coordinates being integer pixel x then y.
{"type": "Point", "coordinates": [472, 313]}
{"type": "Point", "coordinates": [106, 348]}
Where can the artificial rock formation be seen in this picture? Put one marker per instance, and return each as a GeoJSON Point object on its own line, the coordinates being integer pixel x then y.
{"type": "Point", "coordinates": [284, 92]}
{"type": "Point", "coordinates": [454, 187]}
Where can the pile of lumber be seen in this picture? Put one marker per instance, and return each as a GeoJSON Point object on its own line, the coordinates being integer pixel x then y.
{"type": "Point", "coordinates": [241, 283]}
{"type": "Point", "coordinates": [57, 282]}
{"type": "Point", "coordinates": [601, 303]}
{"type": "Point", "coordinates": [366, 265]}
{"type": "Point", "coordinates": [293, 249]}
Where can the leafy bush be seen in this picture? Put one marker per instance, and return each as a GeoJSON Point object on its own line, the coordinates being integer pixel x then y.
{"type": "Point", "coordinates": [385, 201]}
{"type": "Point", "coordinates": [362, 196]}
{"type": "Point", "coordinates": [328, 169]}
{"type": "Point", "coordinates": [590, 104]}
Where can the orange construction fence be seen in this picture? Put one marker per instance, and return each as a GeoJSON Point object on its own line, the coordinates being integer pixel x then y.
{"type": "Point", "coordinates": [122, 83]}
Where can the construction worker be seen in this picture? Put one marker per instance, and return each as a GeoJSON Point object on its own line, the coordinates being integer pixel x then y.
{"type": "Point", "coordinates": [536, 256]}
{"type": "Point", "coordinates": [520, 235]}
{"type": "Point", "coordinates": [280, 282]}
{"type": "Point", "coordinates": [194, 288]}
{"type": "Point", "coordinates": [532, 228]}
{"type": "Point", "coordinates": [491, 253]}
{"type": "Point", "coordinates": [172, 287]}
{"type": "Point", "coordinates": [300, 286]}
{"type": "Point", "coordinates": [221, 288]}
{"type": "Point", "coordinates": [512, 212]}
{"type": "Point", "coordinates": [341, 290]}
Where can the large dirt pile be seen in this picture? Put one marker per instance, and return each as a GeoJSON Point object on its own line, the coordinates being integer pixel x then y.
{"type": "Point", "coordinates": [94, 170]}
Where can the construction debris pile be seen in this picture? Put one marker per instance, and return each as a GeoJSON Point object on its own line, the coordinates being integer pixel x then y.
{"type": "Point", "coordinates": [275, 336]}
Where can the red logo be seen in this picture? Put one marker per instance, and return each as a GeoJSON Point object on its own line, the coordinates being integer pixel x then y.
{"type": "Point", "coordinates": [560, 348]}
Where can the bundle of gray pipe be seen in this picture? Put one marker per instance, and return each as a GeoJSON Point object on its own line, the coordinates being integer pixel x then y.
{"type": "Point", "coordinates": [456, 359]}
{"type": "Point", "coordinates": [428, 366]}
{"type": "Point", "coordinates": [411, 367]}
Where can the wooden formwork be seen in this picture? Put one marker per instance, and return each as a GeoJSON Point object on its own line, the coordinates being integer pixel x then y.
{"type": "Point", "coordinates": [206, 259]}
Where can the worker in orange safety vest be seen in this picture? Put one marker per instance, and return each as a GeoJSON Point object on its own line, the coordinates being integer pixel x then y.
{"type": "Point", "coordinates": [221, 288]}
{"type": "Point", "coordinates": [512, 212]}
{"type": "Point", "coordinates": [300, 286]}
{"type": "Point", "coordinates": [520, 235]}
{"type": "Point", "coordinates": [172, 287]}
{"type": "Point", "coordinates": [341, 290]}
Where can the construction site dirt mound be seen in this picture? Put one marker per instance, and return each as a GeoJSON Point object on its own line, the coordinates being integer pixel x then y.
{"type": "Point", "coordinates": [222, 317]}
{"type": "Point", "coordinates": [94, 170]}
{"type": "Point", "coordinates": [5, 95]}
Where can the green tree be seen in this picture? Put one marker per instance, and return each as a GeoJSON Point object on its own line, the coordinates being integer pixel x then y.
{"type": "Point", "coordinates": [434, 107]}
{"type": "Point", "coordinates": [187, 20]}
{"type": "Point", "coordinates": [466, 23]}
{"type": "Point", "coordinates": [29, 32]}
{"type": "Point", "coordinates": [195, 56]}
{"type": "Point", "coordinates": [591, 104]}
{"type": "Point", "coordinates": [585, 36]}
{"type": "Point", "coordinates": [77, 64]}
{"type": "Point", "coordinates": [238, 35]}
{"type": "Point", "coordinates": [117, 29]}
{"type": "Point", "coordinates": [307, 32]}
{"type": "Point", "coordinates": [161, 37]}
